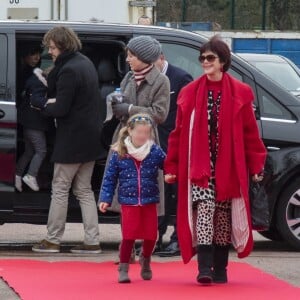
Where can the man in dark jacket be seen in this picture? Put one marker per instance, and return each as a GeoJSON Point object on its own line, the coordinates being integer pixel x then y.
{"type": "Point", "coordinates": [73, 100]}
{"type": "Point", "coordinates": [178, 79]}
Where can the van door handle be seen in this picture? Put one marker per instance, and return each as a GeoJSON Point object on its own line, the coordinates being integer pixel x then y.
{"type": "Point", "coordinates": [273, 148]}
{"type": "Point", "coordinates": [2, 114]}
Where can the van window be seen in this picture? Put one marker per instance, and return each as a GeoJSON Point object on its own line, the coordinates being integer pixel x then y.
{"type": "Point", "coordinates": [3, 66]}
{"type": "Point", "coordinates": [183, 57]}
{"type": "Point", "coordinates": [271, 108]}
{"type": "Point", "coordinates": [186, 58]}
{"type": "Point", "coordinates": [235, 74]}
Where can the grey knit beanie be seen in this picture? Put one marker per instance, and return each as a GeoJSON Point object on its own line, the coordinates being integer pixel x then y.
{"type": "Point", "coordinates": [146, 48]}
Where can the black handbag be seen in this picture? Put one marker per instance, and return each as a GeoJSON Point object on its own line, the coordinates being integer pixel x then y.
{"type": "Point", "coordinates": [259, 205]}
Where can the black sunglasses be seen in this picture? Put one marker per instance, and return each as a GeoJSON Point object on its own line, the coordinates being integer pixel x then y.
{"type": "Point", "coordinates": [209, 58]}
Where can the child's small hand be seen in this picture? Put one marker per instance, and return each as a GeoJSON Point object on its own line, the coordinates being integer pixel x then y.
{"type": "Point", "coordinates": [103, 207]}
{"type": "Point", "coordinates": [169, 178]}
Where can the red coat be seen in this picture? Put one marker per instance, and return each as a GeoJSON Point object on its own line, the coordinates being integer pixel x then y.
{"type": "Point", "coordinates": [249, 155]}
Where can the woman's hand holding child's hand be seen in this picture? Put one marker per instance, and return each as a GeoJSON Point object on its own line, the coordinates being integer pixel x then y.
{"type": "Point", "coordinates": [103, 207]}
{"type": "Point", "coordinates": [257, 177]}
{"type": "Point", "coordinates": [169, 178]}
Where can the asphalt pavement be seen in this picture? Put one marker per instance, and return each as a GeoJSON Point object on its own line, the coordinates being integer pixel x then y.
{"type": "Point", "coordinates": [276, 258]}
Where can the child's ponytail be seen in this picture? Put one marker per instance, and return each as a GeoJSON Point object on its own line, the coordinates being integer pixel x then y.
{"type": "Point", "coordinates": [119, 145]}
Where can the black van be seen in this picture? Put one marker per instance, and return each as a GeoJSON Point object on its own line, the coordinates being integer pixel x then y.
{"type": "Point", "coordinates": [277, 112]}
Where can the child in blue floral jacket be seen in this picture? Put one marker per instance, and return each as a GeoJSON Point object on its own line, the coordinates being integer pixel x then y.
{"type": "Point", "coordinates": [133, 166]}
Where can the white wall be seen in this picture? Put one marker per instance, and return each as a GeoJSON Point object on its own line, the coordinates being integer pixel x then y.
{"type": "Point", "coordinates": [115, 11]}
{"type": "Point", "coordinates": [43, 6]}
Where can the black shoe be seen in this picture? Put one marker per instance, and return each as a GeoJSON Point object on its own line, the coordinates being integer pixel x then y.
{"type": "Point", "coordinates": [171, 250]}
{"type": "Point", "coordinates": [138, 251]}
{"type": "Point", "coordinates": [219, 276]}
{"type": "Point", "coordinates": [158, 247]}
{"type": "Point", "coordinates": [204, 279]}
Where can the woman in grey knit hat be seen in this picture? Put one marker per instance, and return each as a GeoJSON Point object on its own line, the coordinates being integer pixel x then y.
{"type": "Point", "coordinates": [145, 90]}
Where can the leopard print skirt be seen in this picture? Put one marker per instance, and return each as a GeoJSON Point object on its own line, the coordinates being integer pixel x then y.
{"type": "Point", "coordinates": [212, 219]}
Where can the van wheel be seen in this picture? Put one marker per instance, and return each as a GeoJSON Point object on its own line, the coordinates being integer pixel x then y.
{"type": "Point", "coordinates": [288, 214]}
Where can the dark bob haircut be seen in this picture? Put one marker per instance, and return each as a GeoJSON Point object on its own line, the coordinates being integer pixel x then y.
{"type": "Point", "coordinates": [217, 46]}
{"type": "Point", "coordinates": [28, 49]}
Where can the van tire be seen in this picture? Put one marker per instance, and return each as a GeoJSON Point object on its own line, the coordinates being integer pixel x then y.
{"type": "Point", "coordinates": [286, 210]}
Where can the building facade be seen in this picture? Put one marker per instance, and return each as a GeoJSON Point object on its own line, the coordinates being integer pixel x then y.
{"type": "Point", "coordinates": [114, 11]}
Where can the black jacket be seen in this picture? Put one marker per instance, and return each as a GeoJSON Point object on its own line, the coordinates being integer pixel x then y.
{"type": "Point", "coordinates": [178, 79]}
{"type": "Point", "coordinates": [28, 116]}
{"type": "Point", "coordinates": [74, 83]}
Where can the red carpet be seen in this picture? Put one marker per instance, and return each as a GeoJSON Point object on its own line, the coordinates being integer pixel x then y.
{"type": "Point", "coordinates": [40, 280]}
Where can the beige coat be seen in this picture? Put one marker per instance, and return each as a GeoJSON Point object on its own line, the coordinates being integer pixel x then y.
{"type": "Point", "coordinates": [151, 97]}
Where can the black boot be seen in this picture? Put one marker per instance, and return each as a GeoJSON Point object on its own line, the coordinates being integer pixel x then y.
{"type": "Point", "coordinates": [204, 256]}
{"type": "Point", "coordinates": [220, 263]}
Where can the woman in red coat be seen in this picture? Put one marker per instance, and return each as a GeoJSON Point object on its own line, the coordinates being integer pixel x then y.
{"type": "Point", "coordinates": [211, 153]}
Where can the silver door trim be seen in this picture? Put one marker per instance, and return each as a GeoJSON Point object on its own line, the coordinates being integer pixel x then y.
{"type": "Point", "coordinates": [278, 120]}
{"type": "Point", "coordinates": [8, 103]}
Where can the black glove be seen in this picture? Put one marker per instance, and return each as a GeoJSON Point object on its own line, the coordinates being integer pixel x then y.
{"type": "Point", "coordinates": [120, 109]}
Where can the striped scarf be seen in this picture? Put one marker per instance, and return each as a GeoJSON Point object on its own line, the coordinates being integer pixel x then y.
{"type": "Point", "coordinates": [139, 76]}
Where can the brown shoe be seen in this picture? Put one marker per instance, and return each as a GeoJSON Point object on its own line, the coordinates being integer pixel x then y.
{"type": "Point", "coordinates": [46, 247]}
{"type": "Point", "coordinates": [87, 249]}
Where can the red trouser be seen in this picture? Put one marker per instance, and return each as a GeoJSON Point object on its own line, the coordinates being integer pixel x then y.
{"type": "Point", "coordinates": [126, 248]}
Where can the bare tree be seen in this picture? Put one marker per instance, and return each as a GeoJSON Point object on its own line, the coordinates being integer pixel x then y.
{"type": "Point", "coordinates": [279, 13]}
{"type": "Point", "coordinates": [248, 15]}
{"type": "Point", "coordinates": [169, 10]}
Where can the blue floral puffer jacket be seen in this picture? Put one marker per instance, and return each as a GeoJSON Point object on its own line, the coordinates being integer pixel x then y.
{"type": "Point", "coordinates": [138, 183]}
